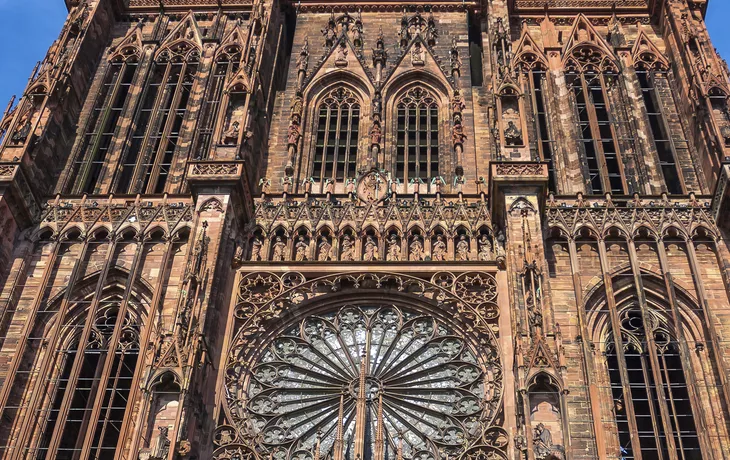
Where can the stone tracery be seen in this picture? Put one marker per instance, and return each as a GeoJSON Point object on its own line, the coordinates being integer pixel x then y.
{"type": "Point", "coordinates": [304, 392]}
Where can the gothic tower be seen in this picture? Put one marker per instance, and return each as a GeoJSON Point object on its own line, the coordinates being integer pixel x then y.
{"type": "Point", "coordinates": [381, 230]}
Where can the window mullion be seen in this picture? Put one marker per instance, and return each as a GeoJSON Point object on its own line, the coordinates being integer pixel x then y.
{"type": "Point", "coordinates": [338, 143]}
{"type": "Point", "coordinates": [92, 151]}
{"type": "Point", "coordinates": [328, 128]}
{"type": "Point", "coordinates": [670, 398]}
{"type": "Point", "coordinates": [164, 135]}
{"type": "Point", "coordinates": [653, 397]}
{"type": "Point", "coordinates": [596, 134]}
{"type": "Point", "coordinates": [142, 159]}
{"type": "Point", "coordinates": [106, 411]}
{"type": "Point", "coordinates": [348, 120]}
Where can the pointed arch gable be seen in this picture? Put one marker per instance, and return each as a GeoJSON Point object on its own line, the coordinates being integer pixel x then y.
{"type": "Point", "coordinates": [130, 47]}
{"type": "Point", "coordinates": [354, 69]}
{"type": "Point", "coordinates": [232, 43]}
{"type": "Point", "coordinates": [528, 54]}
{"type": "Point", "coordinates": [587, 50]}
{"type": "Point", "coordinates": [430, 72]}
{"type": "Point", "coordinates": [185, 38]}
{"type": "Point", "coordinates": [646, 55]}
{"type": "Point", "coordinates": [582, 33]}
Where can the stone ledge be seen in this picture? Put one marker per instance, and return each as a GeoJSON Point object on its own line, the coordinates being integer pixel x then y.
{"type": "Point", "coordinates": [210, 176]}
{"type": "Point", "coordinates": [15, 188]}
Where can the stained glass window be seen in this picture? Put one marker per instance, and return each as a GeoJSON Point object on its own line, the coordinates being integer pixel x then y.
{"type": "Point", "coordinates": [367, 382]}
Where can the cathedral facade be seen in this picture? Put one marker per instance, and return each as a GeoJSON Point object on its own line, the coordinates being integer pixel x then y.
{"type": "Point", "coordinates": [315, 230]}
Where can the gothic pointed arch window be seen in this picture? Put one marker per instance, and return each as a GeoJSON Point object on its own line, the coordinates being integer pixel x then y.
{"type": "Point", "coordinates": [159, 122]}
{"type": "Point", "coordinates": [227, 63]}
{"type": "Point", "coordinates": [337, 136]}
{"type": "Point", "coordinates": [589, 74]}
{"type": "Point", "coordinates": [649, 389]}
{"type": "Point", "coordinates": [534, 74]}
{"type": "Point", "coordinates": [90, 390]}
{"type": "Point", "coordinates": [652, 72]}
{"type": "Point", "coordinates": [105, 117]}
{"type": "Point", "coordinates": [417, 135]}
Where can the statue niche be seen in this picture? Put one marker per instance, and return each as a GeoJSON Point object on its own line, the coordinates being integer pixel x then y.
{"type": "Point", "coordinates": [234, 115]}
{"type": "Point", "coordinates": [546, 420]}
{"type": "Point", "coordinates": [510, 110]}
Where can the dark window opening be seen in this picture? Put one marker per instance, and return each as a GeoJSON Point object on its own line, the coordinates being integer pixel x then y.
{"type": "Point", "coordinates": [647, 395]}
{"type": "Point", "coordinates": [660, 133]}
{"type": "Point", "coordinates": [338, 133]}
{"type": "Point", "coordinates": [417, 137]}
{"type": "Point", "coordinates": [536, 80]}
{"type": "Point", "coordinates": [596, 133]}
{"type": "Point", "coordinates": [102, 125]}
{"type": "Point", "coordinates": [476, 49]}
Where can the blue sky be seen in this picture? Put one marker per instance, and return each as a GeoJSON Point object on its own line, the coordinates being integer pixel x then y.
{"type": "Point", "coordinates": [28, 27]}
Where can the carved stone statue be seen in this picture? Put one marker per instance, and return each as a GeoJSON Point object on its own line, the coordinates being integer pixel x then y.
{"type": "Point", "coordinates": [295, 111]}
{"type": "Point", "coordinates": [371, 250]}
{"type": "Point", "coordinates": [341, 55]}
{"type": "Point", "coordinates": [500, 243]}
{"type": "Point", "coordinates": [301, 250]}
{"type": "Point", "coordinates": [393, 254]}
{"type": "Point", "coordinates": [431, 31]}
{"type": "Point", "coordinates": [454, 56]}
{"type": "Point", "coordinates": [542, 441]}
{"type": "Point", "coordinates": [348, 249]}
{"type": "Point", "coordinates": [438, 253]}
{"type": "Point", "coordinates": [512, 135]}
{"type": "Point", "coordinates": [231, 135]}
{"type": "Point", "coordinates": [376, 134]}
{"type": "Point", "coordinates": [160, 447]}
{"type": "Point", "coordinates": [287, 182]}
{"type": "Point", "coordinates": [437, 183]}
{"type": "Point", "coordinates": [256, 246]}
{"type": "Point", "coordinates": [294, 134]}
{"type": "Point", "coordinates": [303, 59]}
{"type": "Point", "coordinates": [377, 105]}
{"type": "Point", "coordinates": [350, 185]}
{"type": "Point", "coordinates": [457, 134]}
{"type": "Point", "coordinates": [404, 34]}
{"type": "Point", "coordinates": [418, 54]}
{"type": "Point", "coordinates": [462, 249]}
{"type": "Point", "coordinates": [416, 249]}
{"type": "Point", "coordinates": [279, 250]}
{"type": "Point", "coordinates": [330, 32]}
{"type": "Point", "coordinates": [324, 252]}
{"type": "Point", "coordinates": [485, 248]}
{"type": "Point", "coordinates": [457, 104]}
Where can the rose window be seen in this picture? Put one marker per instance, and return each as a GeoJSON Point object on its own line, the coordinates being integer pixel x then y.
{"type": "Point", "coordinates": [368, 383]}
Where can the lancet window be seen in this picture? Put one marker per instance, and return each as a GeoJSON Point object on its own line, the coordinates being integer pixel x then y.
{"type": "Point", "coordinates": [105, 116]}
{"type": "Point", "coordinates": [226, 65]}
{"type": "Point", "coordinates": [91, 391]}
{"type": "Point", "coordinates": [721, 114]}
{"type": "Point", "coordinates": [589, 75]}
{"type": "Point", "coordinates": [417, 136]}
{"type": "Point", "coordinates": [536, 80]}
{"type": "Point", "coordinates": [159, 121]}
{"type": "Point", "coordinates": [338, 132]}
{"type": "Point", "coordinates": [649, 391]}
{"type": "Point", "coordinates": [648, 80]}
